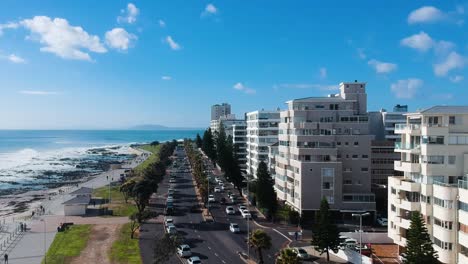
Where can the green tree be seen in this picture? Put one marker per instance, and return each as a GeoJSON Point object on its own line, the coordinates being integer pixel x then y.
{"type": "Point", "coordinates": [208, 144]}
{"type": "Point", "coordinates": [222, 150]}
{"type": "Point", "coordinates": [127, 188]}
{"type": "Point", "coordinates": [288, 256]}
{"type": "Point", "coordinates": [325, 236]}
{"type": "Point", "coordinates": [165, 248]}
{"type": "Point", "coordinates": [418, 244]}
{"type": "Point", "coordinates": [199, 141]}
{"type": "Point", "coordinates": [136, 220]}
{"type": "Point", "coordinates": [141, 193]}
{"type": "Point", "coordinates": [265, 192]}
{"type": "Point", "coordinates": [260, 240]}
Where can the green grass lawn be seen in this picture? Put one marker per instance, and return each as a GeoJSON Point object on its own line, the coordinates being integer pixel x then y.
{"type": "Point", "coordinates": [68, 244]}
{"type": "Point", "coordinates": [151, 159]}
{"type": "Point", "coordinates": [117, 205]}
{"type": "Point", "coordinates": [125, 250]}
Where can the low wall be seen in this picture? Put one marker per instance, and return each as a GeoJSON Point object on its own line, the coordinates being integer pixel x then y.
{"type": "Point", "coordinates": [372, 238]}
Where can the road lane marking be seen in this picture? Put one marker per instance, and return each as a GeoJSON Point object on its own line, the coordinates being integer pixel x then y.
{"type": "Point", "coordinates": [223, 261]}
{"type": "Point", "coordinates": [216, 254]}
{"type": "Point", "coordinates": [209, 248]}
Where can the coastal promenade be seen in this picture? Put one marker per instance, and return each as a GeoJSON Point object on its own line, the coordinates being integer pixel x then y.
{"type": "Point", "coordinates": [30, 247]}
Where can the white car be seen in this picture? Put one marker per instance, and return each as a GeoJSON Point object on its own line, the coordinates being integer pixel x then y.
{"type": "Point", "coordinates": [170, 191]}
{"type": "Point", "coordinates": [223, 187]}
{"type": "Point", "coordinates": [172, 180]}
{"type": "Point", "coordinates": [184, 251]}
{"type": "Point", "coordinates": [194, 260]}
{"type": "Point", "coordinates": [169, 221]}
{"type": "Point", "coordinates": [230, 210]}
{"type": "Point", "coordinates": [246, 214]}
{"type": "Point", "coordinates": [301, 253]}
{"type": "Point", "coordinates": [382, 221]}
{"type": "Point", "coordinates": [171, 229]}
{"type": "Point", "coordinates": [217, 190]}
{"type": "Point", "coordinates": [242, 207]}
{"type": "Point", "coordinates": [211, 198]}
{"type": "Point", "coordinates": [170, 199]}
{"type": "Point", "coordinates": [221, 183]}
{"type": "Point", "coordinates": [234, 228]}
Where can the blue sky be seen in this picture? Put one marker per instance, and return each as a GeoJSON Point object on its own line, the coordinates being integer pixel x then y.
{"type": "Point", "coordinates": [113, 64]}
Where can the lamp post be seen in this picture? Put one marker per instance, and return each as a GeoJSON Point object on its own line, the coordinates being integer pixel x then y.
{"type": "Point", "coordinates": [360, 215]}
{"type": "Point", "coordinates": [45, 251]}
{"type": "Point", "coordinates": [248, 222]}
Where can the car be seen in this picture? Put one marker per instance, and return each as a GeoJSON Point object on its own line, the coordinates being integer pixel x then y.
{"type": "Point", "coordinates": [170, 199]}
{"type": "Point", "coordinates": [242, 207]}
{"type": "Point", "coordinates": [170, 191]}
{"type": "Point", "coordinates": [301, 253]}
{"type": "Point", "coordinates": [217, 189]}
{"type": "Point", "coordinates": [230, 210]}
{"type": "Point", "coordinates": [382, 221]}
{"type": "Point", "coordinates": [184, 251]}
{"type": "Point", "coordinates": [234, 228]}
{"type": "Point", "coordinates": [171, 229]}
{"type": "Point", "coordinates": [217, 179]}
{"type": "Point", "coordinates": [211, 198]}
{"type": "Point", "coordinates": [172, 180]}
{"type": "Point", "coordinates": [246, 214]}
{"type": "Point", "coordinates": [350, 243]}
{"type": "Point", "coordinates": [194, 260]}
{"type": "Point", "coordinates": [223, 187]}
{"type": "Point", "coordinates": [168, 221]}
{"type": "Point", "coordinates": [169, 210]}
{"type": "Point", "coordinates": [402, 257]}
{"type": "Point", "coordinates": [222, 200]}
{"type": "Point", "coordinates": [233, 199]}
{"type": "Point", "coordinates": [221, 183]}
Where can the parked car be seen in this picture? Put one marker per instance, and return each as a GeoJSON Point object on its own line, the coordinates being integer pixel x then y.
{"type": "Point", "coordinates": [382, 221]}
{"type": "Point", "coordinates": [223, 187]}
{"type": "Point", "coordinates": [170, 191]}
{"type": "Point", "coordinates": [172, 180]}
{"type": "Point", "coordinates": [171, 229]}
{"type": "Point", "coordinates": [211, 198]}
{"type": "Point", "coordinates": [168, 221]}
{"type": "Point", "coordinates": [217, 190]}
{"type": "Point", "coordinates": [301, 253]}
{"type": "Point", "coordinates": [246, 214]}
{"type": "Point", "coordinates": [234, 228]}
{"type": "Point", "coordinates": [184, 251]}
{"type": "Point", "coordinates": [402, 257]}
{"type": "Point", "coordinates": [230, 210]}
{"type": "Point", "coordinates": [194, 260]}
{"type": "Point", "coordinates": [242, 207]}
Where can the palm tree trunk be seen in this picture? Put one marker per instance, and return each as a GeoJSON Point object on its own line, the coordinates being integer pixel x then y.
{"type": "Point", "coordinates": [328, 256]}
{"type": "Point", "coordinates": [260, 256]}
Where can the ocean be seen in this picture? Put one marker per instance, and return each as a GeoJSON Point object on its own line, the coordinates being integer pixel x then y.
{"type": "Point", "coordinates": [35, 159]}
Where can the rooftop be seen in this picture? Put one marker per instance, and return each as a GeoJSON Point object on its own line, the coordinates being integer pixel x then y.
{"type": "Point", "coordinates": [79, 200]}
{"type": "Point", "coordinates": [444, 109]}
{"type": "Point", "coordinates": [82, 191]}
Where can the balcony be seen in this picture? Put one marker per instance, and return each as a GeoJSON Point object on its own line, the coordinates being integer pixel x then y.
{"type": "Point", "coordinates": [412, 148]}
{"type": "Point", "coordinates": [407, 166]}
{"type": "Point", "coordinates": [409, 205]}
{"type": "Point", "coordinates": [407, 128]}
{"type": "Point", "coordinates": [407, 185]}
{"type": "Point", "coordinates": [402, 222]}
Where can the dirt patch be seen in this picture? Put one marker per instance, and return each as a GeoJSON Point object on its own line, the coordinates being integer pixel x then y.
{"type": "Point", "coordinates": [99, 245]}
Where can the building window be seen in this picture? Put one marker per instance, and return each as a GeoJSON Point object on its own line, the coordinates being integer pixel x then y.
{"type": "Point", "coordinates": [356, 143]}
{"type": "Point", "coordinates": [330, 199]}
{"type": "Point", "coordinates": [355, 156]}
{"type": "Point", "coordinates": [451, 120]}
{"type": "Point", "coordinates": [328, 172]}
{"type": "Point", "coordinates": [365, 156]}
{"type": "Point", "coordinates": [338, 143]}
{"type": "Point", "coordinates": [346, 143]}
{"type": "Point", "coordinates": [444, 224]}
{"type": "Point", "coordinates": [452, 159]}
{"type": "Point", "coordinates": [442, 244]}
{"type": "Point", "coordinates": [348, 181]}
{"type": "Point", "coordinates": [364, 169]}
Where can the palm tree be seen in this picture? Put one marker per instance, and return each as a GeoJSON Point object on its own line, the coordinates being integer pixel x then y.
{"type": "Point", "coordinates": [260, 240]}
{"type": "Point", "coordinates": [287, 256]}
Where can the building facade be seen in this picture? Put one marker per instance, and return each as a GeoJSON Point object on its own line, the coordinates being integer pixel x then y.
{"type": "Point", "coordinates": [434, 159]}
{"type": "Point", "coordinates": [324, 151]}
{"type": "Point", "coordinates": [239, 140]}
{"type": "Point", "coordinates": [219, 110]}
{"type": "Point", "coordinates": [262, 131]}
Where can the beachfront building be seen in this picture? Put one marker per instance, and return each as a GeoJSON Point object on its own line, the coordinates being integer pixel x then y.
{"type": "Point", "coordinates": [79, 203]}
{"type": "Point", "coordinates": [434, 163]}
{"type": "Point", "coordinates": [262, 131]}
{"type": "Point", "coordinates": [219, 110]}
{"type": "Point", "coordinates": [324, 151]}
{"type": "Point", "coordinates": [239, 141]}
{"type": "Point", "coordinates": [383, 156]}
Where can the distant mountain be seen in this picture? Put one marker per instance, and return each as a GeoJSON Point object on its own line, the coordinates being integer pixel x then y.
{"type": "Point", "coordinates": [159, 127]}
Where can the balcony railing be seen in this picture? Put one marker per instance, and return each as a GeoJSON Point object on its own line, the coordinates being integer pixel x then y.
{"type": "Point", "coordinates": [407, 126]}
{"type": "Point", "coordinates": [405, 146]}
{"type": "Point", "coordinates": [444, 184]}
{"type": "Point", "coordinates": [463, 184]}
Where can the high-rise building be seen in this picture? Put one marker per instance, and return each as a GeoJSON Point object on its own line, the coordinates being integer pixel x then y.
{"type": "Point", "coordinates": [324, 151]}
{"type": "Point", "coordinates": [262, 131]}
{"type": "Point", "coordinates": [219, 110]}
{"type": "Point", "coordinates": [239, 140]}
{"type": "Point", "coordinates": [434, 163]}
{"type": "Point", "coordinates": [383, 155]}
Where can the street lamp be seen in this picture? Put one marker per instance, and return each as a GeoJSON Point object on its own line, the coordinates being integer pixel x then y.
{"type": "Point", "coordinates": [248, 222]}
{"type": "Point", "coordinates": [360, 215]}
{"type": "Point", "coordinates": [45, 251]}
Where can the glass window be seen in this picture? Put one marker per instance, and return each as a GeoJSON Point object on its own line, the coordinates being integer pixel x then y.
{"type": "Point", "coordinates": [452, 159]}
{"type": "Point", "coordinates": [451, 120]}
{"type": "Point", "coordinates": [328, 172]}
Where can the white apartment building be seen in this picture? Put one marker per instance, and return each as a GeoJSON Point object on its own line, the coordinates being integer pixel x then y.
{"type": "Point", "coordinates": [239, 140]}
{"type": "Point", "coordinates": [324, 151]}
{"type": "Point", "coordinates": [262, 131]}
{"type": "Point", "coordinates": [219, 110]}
{"type": "Point", "coordinates": [434, 162]}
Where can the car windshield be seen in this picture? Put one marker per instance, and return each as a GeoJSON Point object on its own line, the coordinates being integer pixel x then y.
{"type": "Point", "coordinates": [302, 251]}
{"type": "Point", "coordinates": [235, 226]}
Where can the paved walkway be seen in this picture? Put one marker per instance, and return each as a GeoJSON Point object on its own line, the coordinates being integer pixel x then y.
{"type": "Point", "coordinates": [30, 246]}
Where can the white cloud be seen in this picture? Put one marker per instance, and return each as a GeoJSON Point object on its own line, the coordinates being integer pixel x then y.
{"type": "Point", "coordinates": [456, 78]}
{"type": "Point", "coordinates": [422, 41]}
{"type": "Point", "coordinates": [62, 39]}
{"type": "Point", "coordinates": [451, 62]}
{"type": "Point", "coordinates": [406, 89]}
{"type": "Point", "coordinates": [361, 54]}
{"type": "Point", "coordinates": [36, 92]}
{"type": "Point", "coordinates": [119, 38]}
{"type": "Point", "coordinates": [15, 59]}
{"type": "Point", "coordinates": [443, 47]}
{"type": "Point", "coordinates": [426, 14]}
{"type": "Point", "coordinates": [382, 67]}
{"type": "Point", "coordinates": [241, 87]}
{"type": "Point", "coordinates": [322, 87]}
{"type": "Point", "coordinates": [9, 25]}
{"type": "Point", "coordinates": [210, 9]}
{"type": "Point", "coordinates": [174, 45]}
{"type": "Point", "coordinates": [162, 23]}
{"type": "Point", "coordinates": [129, 15]}
{"type": "Point", "coordinates": [166, 78]}
{"type": "Point", "coordinates": [323, 72]}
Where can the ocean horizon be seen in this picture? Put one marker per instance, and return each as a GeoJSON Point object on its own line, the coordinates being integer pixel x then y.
{"type": "Point", "coordinates": [31, 158]}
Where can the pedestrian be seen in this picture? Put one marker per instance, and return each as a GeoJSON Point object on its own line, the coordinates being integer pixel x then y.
{"type": "Point", "coordinates": [32, 214]}
{"type": "Point", "coordinates": [5, 257]}
{"type": "Point", "coordinates": [21, 227]}
{"type": "Point", "coordinates": [295, 235]}
{"type": "Point", "coordinates": [94, 203]}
